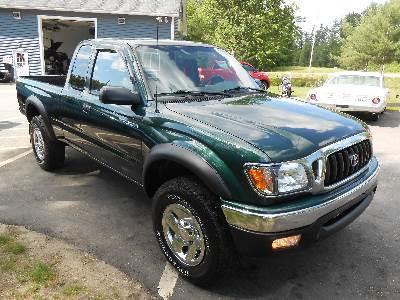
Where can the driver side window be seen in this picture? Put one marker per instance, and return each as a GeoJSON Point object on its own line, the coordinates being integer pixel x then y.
{"type": "Point", "coordinates": [110, 69]}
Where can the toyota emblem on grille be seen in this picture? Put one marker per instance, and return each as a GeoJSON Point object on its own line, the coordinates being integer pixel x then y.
{"type": "Point", "coordinates": [354, 160]}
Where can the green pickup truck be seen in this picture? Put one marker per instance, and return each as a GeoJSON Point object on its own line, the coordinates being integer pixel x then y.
{"type": "Point", "coordinates": [230, 170]}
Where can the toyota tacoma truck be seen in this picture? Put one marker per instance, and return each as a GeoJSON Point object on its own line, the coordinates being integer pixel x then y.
{"type": "Point", "coordinates": [229, 169]}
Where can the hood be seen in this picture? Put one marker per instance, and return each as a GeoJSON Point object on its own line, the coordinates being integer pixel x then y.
{"type": "Point", "coordinates": [284, 129]}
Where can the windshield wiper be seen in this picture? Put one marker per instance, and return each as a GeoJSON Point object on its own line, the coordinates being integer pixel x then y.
{"type": "Point", "coordinates": [192, 93]}
{"type": "Point", "coordinates": [239, 88]}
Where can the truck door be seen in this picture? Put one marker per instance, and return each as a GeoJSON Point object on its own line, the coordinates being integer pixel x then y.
{"type": "Point", "coordinates": [70, 107]}
{"type": "Point", "coordinates": [112, 131]}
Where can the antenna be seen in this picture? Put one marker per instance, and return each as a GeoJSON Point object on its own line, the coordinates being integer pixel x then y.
{"type": "Point", "coordinates": [158, 21]}
{"type": "Point", "coordinates": [156, 95]}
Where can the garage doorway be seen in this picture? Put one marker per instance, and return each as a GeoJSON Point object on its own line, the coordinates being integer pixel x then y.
{"type": "Point", "coordinates": [59, 37]}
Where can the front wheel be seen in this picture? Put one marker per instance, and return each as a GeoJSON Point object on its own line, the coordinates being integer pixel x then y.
{"type": "Point", "coordinates": [266, 84]}
{"type": "Point", "coordinates": [191, 230]}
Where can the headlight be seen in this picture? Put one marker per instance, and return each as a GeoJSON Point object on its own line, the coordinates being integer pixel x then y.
{"type": "Point", "coordinates": [277, 179]}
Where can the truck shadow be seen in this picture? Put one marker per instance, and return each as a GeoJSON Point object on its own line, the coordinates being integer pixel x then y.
{"type": "Point", "coordinates": [388, 119]}
{"type": "Point", "coordinates": [330, 267]}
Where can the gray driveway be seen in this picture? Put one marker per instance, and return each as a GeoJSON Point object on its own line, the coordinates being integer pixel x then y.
{"type": "Point", "coordinates": [106, 215]}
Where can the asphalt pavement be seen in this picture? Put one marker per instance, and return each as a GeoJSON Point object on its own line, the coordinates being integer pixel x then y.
{"type": "Point", "coordinates": [96, 210]}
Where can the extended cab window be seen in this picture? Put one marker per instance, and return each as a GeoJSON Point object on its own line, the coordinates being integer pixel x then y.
{"type": "Point", "coordinates": [78, 74]}
{"type": "Point", "coordinates": [110, 70]}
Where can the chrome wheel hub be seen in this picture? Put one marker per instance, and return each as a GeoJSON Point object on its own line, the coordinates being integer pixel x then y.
{"type": "Point", "coordinates": [183, 234]}
{"type": "Point", "coordinates": [38, 142]}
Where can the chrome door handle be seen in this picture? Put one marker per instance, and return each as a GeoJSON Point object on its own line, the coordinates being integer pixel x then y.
{"type": "Point", "coordinates": [86, 108]}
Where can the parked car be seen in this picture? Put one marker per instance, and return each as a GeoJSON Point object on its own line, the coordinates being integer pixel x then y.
{"type": "Point", "coordinates": [256, 74]}
{"type": "Point", "coordinates": [353, 92]}
{"type": "Point", "coordinates": [8, 74]}
{"type": "Point", "coordinates": [5, 77]}
{"type": "Point", "coordinates": [217, 71]}
{"type": "Point", "coordinates": [229, 170]}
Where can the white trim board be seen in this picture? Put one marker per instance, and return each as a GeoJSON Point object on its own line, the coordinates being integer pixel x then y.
{"type": "Point", "coordinates": [173, 28]}
{"type": "Point", "coordinates": [129, 13]}
{"type": "Point", "coordinates": [40, 19]}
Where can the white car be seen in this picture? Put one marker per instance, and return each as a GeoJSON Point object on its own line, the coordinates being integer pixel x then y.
{"type": "Point", "coordinates": [353, 92]}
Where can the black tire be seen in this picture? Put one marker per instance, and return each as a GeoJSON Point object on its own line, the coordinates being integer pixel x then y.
{"type": "Point", "coordinates": [52, 155]}
{"type": "Point", "coordinates": [218, 259]}
{"type": "Point", "coordinates": [374, 117]}
{"type": "Point", "coordinates": [266, 84]}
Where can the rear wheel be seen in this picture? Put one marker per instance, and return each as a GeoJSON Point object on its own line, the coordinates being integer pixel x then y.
{"type": "Point", "coordinates": [50, 155]}
{"type": "Point", "coordinates": [374, 117]}
{"type": "Point", "coordinates": [191, 230]}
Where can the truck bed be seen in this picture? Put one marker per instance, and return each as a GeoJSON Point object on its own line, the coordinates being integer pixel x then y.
{"type": "Point", "coordinates": [58, 80]}
{"type": "Point", "coordinates": [45, 88]}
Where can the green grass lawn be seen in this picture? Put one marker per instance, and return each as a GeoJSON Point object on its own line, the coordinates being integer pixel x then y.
{"type": "Point", "coordinates": [391, 68]}
{"type": "Point", "coordinates": [298, 92]}
{"type": "Point", "coordinates": [298, 69]}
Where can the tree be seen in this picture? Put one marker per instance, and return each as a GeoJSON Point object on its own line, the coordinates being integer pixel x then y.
{"type": "Point", "coordinates": [261, 32]}
{"type": "Point", "coordinates": [326, 49]}
{"type": "Point", "coordinates": [375, 40]}
{"type": "Point", "coordinates": [349, 22]}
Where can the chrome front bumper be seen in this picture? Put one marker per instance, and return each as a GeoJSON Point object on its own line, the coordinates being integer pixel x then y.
{"type": "Point", "coordinates": [263, 220]}
{"type": "Point", "coordinates": [352, 108]}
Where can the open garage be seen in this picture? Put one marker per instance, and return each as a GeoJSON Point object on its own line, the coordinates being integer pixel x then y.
{"type": "Point", "coordinates": [59, 39]}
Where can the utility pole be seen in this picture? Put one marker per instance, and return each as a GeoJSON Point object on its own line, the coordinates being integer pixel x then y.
{"type": "Point", "coordinates": [312, 49]}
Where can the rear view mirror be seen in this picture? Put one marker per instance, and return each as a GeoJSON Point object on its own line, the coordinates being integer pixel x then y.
{"type": "Point", "coordinates": [119, 96]}
{"type": "Point", "coordinates": [397, 96]}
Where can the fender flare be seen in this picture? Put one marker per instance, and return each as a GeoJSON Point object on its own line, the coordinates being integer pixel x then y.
{"type": "Point", "coordinates": [189, 160]}
{"type": "Point", "coordinates": [38, 105]}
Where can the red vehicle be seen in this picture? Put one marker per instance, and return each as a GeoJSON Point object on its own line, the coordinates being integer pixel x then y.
{"type": "Point", "coordinates": [260, 75]}
{"type": "Point", "coordinates": [218, 71]}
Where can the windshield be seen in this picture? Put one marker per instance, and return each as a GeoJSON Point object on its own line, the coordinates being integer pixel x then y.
{"type": "Point", "coordinates": [174, 68]}
{"type": "Point", "coordinates": [355, 80]}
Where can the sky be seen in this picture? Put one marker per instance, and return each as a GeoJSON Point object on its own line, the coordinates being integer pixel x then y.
{"type": "Point", "coordinates": [326, 11]}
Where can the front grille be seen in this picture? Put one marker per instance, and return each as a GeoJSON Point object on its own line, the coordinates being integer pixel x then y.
{"type": "Point", "coordinates": [346, 162]}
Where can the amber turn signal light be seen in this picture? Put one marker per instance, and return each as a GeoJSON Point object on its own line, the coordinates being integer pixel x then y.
{"type": "Point", "coordinates": [262, 179]}
{"type": "Point", "coordinates": [286, 242]}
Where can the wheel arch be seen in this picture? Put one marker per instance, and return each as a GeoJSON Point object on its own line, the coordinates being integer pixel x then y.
{"type": "Point", "coordinates": [34, 107]}
{"type": "Point", "coordinates": [180, 161]}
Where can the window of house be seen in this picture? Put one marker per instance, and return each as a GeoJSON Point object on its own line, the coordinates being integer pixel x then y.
{"type": "Point", "coordinates": [110, 70]}
{"type": "Point", "coordinates": [16, 15]}
{"type": "Point", "coordinates": [78, 74]}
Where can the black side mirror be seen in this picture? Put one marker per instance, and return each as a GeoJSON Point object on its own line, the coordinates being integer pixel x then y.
{"type": "Point", "coordinates": [397, 96]}
{"type": "Point", "coordinates": [119, 96]}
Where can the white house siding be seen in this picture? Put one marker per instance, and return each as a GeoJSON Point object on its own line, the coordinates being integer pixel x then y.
{"type": "Point", "coordinates": [24, 33]}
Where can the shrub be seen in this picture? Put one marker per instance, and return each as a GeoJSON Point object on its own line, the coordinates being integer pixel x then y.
{"type": "Point", "coordinates": [299, 80]}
